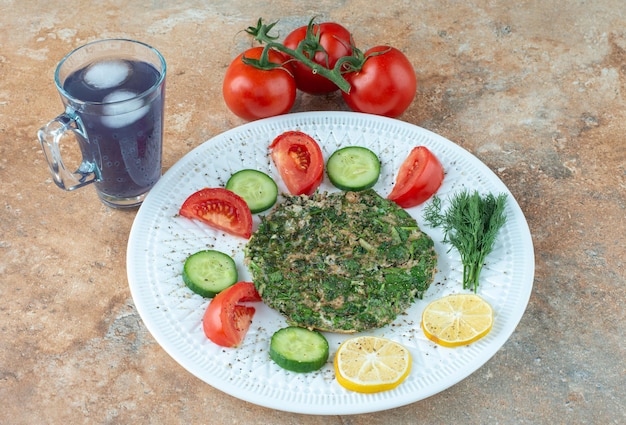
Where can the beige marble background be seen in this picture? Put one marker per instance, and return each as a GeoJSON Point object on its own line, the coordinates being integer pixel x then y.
{"type": "Point", "coordinates": [535, 88]}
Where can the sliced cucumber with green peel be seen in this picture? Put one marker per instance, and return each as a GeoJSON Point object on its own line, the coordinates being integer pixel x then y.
{"type": "Point", "coordinates": [353, 168]}
{"type": "Point", "coordinates": [209, 272]}
{"type": "Point", "coordinates": [256, 188]}
{"type": "Point", "coordinates": [299, 349]}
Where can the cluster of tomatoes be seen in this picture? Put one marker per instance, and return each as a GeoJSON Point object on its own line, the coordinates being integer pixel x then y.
{"type": "Point", "coordinates": [317, 59]}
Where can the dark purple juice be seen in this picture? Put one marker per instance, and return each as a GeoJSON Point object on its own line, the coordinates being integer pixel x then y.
{"type": "Point", "coordinates": [124, 131]}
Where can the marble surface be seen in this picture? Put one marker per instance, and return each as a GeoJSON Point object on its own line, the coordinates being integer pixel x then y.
{"type": "Point", "coordinates": [535, 89]}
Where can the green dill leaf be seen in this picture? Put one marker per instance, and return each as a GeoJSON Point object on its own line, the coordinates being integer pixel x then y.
{"type": "Point", "coordinates": [471, 225]}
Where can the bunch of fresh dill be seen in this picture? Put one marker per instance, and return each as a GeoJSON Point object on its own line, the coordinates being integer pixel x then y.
{"type": "Point", "coordinates": [470, 224]}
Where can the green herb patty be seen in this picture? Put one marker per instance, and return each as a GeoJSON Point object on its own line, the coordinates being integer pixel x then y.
{"type": "Point", "coordinates": [340, 262]}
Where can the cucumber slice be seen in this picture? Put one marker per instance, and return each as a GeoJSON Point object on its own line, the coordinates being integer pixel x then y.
{"type": "Point", "coordinates": [256, 188]}
{"type": "Point", "coordinates": [353, 168]}
{"type": "Point", "coordinates": [299, 349]}
{"type": "Point", "coordinates": [209, 272]}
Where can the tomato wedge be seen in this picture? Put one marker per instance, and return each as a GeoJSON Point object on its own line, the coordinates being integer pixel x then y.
{"type": "Point", "coordinates": [419, 177]}
{"type": "Point", "coordinates": [219, 208]}
{"type": "Point", "coordinates": [226, 321]}
{"type": "Point", "coordinates": [299, 161]}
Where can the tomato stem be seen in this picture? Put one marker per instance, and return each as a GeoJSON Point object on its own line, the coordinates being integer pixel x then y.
{"type": "Point", "coordinates": [309, 44]}
{"type": "Point", "coordinates": [355, 62]}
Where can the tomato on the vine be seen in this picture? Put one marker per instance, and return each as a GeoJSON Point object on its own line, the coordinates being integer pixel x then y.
{"type": "Point", "coordinates": [329, 43]}
{"type": "Point", "coordinates": [385, 85]}
{"type": "Point", "coordinates": [252, 93]}
{"type": "Point", "coordinates": [299, 161]}
{"type": "Point", "coordinates": [419, 177]}
{"type": "Point", "coordinates": [226, 320]}
{"type": "Point", "coordinates": [219, 208]}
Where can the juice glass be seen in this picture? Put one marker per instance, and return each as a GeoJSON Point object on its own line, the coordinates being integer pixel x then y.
{"type": "Point", "coordinates": [113, 92]}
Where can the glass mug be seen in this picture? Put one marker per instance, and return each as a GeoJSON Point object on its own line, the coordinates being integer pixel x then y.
{"type": "Point", "coordinates": [113, 92]}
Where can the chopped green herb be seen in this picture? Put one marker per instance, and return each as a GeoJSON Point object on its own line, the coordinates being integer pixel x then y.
{"type": "Point", "coordinates": [344, 261]}
{"type": "Point", "coordinates": [471, 225]}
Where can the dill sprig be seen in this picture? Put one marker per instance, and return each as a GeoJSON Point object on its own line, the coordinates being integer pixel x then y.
{"type": "Point", "coordinates": [471, 225]}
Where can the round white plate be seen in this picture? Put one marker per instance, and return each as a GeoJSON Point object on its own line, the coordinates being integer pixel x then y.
{"type": "Point", "coordinates": [160, 240]}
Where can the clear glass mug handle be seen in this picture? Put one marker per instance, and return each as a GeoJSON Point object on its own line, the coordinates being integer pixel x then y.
{"type": "Point", "coordinates": [50, 137]}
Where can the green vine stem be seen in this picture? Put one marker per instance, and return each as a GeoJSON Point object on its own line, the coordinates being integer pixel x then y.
{"type": "Point", "coordinates": [309, 44]}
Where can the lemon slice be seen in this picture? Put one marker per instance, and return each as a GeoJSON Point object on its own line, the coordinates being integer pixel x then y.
{"type": "Point", "coordinates": [370, 364]}
{"type": "Point", "coordinates": [457, 319]}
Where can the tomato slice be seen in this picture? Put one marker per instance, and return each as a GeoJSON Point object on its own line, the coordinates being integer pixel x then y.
{"type": "Point", "coordinates": [419, 177]}
{"type": "Point", "coordinates": [226, 321]}
{"type": "Point", "coordinates": [299, 160]}
{"type": "Point", "coordinates": [219, 208]}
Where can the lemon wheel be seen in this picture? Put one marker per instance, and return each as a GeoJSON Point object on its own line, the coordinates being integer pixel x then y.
{"type": "Point", "coordinates": [369, 364]}
{"type": "Point", "coordinates": [457, 319]}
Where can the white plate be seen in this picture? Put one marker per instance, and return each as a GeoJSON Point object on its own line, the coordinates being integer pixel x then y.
{"type": "Point", "coordinates": [160, 241]}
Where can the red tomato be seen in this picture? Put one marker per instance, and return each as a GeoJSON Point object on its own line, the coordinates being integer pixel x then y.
{"type": "Point", "coordinates": [221, 209]}
{"type": "Point", "coordinates": [252, 93]}
{"type": "Point", "coordinates": [226, 321]}
{"type": "Point", "coordinates": [299, 161]}
{"type": "Point", "coordinates": [335, 40]}
{"type": "Point", "coordinates": [385, 85]}
{"type": "Point", "coordinates": [419, 177]}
